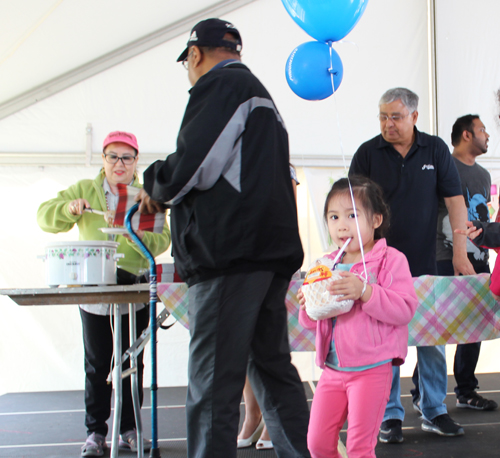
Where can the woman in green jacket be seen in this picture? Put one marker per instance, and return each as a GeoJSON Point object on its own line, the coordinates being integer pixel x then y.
{"type": "Point", "coordinates": [120, 156]}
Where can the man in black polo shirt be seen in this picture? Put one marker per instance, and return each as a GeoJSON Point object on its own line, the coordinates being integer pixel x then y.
{"type": "Point", "coordinates": [414, 170]}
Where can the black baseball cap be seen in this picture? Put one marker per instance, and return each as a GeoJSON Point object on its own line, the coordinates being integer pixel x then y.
{"type": "Point", "coordinates": [210, 32]}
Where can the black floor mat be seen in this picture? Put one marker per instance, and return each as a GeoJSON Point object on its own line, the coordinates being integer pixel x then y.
{"type": "Point", "coordinates": [50, 425]}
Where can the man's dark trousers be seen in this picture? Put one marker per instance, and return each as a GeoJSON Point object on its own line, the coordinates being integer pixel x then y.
{"type": "Point", "coordinates": [237, 321]}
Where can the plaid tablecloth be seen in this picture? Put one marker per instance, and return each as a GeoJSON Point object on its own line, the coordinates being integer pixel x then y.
{"type": "Point", "coordinates": [451, 310]}
{"type": "Point", "coordinates": [454, 310]}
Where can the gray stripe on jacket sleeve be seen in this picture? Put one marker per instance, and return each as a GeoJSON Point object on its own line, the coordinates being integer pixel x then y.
{"type": "Point", "coordinates": [224, 158]}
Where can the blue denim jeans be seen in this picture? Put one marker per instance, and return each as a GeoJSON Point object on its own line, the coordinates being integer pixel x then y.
{"type": "Point", "coordinates": [394, 409]}
{"type": "Point", "coordinates": [433, 383]}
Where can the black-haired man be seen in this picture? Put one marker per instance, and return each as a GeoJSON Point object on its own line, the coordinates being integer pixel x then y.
{"type": "Point", "coordinates": [470, 140]}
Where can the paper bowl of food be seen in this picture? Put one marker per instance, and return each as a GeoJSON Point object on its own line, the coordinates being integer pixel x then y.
{"type": "Point", "coordinates": [320, 303]}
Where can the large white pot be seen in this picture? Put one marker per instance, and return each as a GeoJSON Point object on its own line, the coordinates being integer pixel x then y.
{"type": "Point", "coordinates": [81, 263]}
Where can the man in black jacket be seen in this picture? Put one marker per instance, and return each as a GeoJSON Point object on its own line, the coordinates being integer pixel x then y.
{"type": "Point", "coordinates": [236, 244]}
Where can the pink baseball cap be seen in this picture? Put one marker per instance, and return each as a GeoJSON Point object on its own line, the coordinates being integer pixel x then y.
{"type": "Point", "coordinates": [121, 137]}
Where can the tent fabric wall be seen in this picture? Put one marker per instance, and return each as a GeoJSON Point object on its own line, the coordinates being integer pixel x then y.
{"type": "Point", "coordinates": [147, 95]}
{"type": "Point", "coordinates": [468, 72]}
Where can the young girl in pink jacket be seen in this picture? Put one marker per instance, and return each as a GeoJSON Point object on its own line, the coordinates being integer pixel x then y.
{"type": "Point", "coordinates": [356, 350]}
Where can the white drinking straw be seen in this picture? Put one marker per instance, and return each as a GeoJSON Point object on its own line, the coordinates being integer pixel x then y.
{"type": "Point", "coordinates": [339, 254]}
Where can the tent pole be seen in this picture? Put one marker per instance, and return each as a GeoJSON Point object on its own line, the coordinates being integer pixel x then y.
{"type": "Point", "coordinates": [433, 95]}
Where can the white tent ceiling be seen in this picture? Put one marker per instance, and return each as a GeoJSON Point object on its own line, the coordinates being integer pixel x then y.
{"type": "Point", "coordinates": [72, 70]}
{"type": "Point", "coordinates": [47, 45]}
{"type": "Point", "coordinates": [87, 58]}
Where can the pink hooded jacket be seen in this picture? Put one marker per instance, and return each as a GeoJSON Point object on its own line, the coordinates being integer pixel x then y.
{"type": "Point", "coordinates": [376, 330]}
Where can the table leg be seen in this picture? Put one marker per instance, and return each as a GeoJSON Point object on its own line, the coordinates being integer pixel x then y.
{"type": "Point", "coordinates": [117, 379]}
{"type": "Point", "coordinates": [134, 382]}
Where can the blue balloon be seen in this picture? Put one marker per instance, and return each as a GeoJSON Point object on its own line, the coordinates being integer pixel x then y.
{"type": "Point", "coordinates": [326, 20]}
{"type": "Point", "coordinates": [309, 70]}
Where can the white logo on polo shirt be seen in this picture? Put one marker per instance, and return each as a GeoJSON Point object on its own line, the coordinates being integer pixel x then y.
{"type": "Point", "coordinates": [427, 167]}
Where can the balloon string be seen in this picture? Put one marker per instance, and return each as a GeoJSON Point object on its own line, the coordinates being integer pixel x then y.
{"type": "Point", "coordinates": [331, 70]}
{"type": "Point", "coordinates": [361, 247]}
{"type": "Point", "coordinates": [349, 43]}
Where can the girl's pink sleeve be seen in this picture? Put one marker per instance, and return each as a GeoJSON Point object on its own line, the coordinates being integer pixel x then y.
{"type": "Point", "coordinates": [305, 321]}
{"type": "Point", "coordinates": [396, 302]}
{"type": "Point", "coordinates": [495, 278]}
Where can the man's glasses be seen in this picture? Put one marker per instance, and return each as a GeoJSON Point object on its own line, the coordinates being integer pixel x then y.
{"type": "Point", "coordinates": [396, 117]}
{"type": "Point", "coordinates": [113, 159]}
{"type": "Point", "coordinates": [185, 61]}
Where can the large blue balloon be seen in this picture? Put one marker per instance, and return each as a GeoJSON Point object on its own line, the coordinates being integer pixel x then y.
{"type": "Point", "coordinates": [326, 20]}
{"type": "Point", "coordinates": [309, 70]}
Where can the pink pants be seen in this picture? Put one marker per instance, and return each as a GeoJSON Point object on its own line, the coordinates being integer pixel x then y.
{"type": "Point", "coordinates": [359, 397]}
